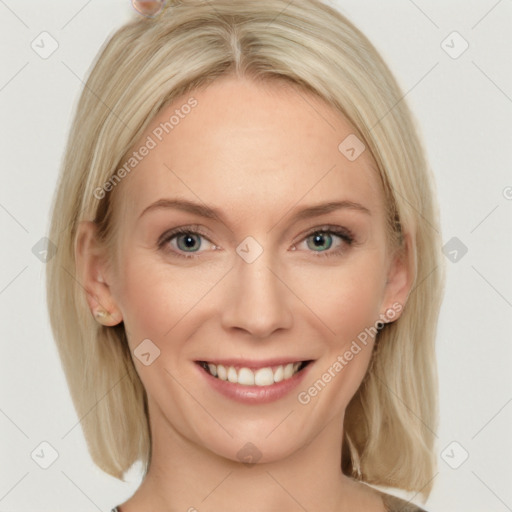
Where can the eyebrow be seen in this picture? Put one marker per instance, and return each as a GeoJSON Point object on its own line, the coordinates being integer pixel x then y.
{"type": "Point", "coordinates": [212, 213]}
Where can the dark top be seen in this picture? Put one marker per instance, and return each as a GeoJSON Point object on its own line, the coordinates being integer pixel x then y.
{"type": "Point", "coordinates": [394, 504]}
{"type": "Point", "coordinates": [391, 503]}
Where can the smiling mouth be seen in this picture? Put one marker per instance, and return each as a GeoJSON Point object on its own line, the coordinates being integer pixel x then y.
{"type": "Point", "coordinates": [246, 377]}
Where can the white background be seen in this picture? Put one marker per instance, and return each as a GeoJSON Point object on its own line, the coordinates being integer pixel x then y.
{"type": "Point", "coordinates": [463, 107]}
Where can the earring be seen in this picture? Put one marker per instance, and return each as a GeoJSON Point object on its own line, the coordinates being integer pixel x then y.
{"type": "Point", "coordinates": [101, 314]}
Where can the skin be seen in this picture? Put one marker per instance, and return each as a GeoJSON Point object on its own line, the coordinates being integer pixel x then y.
{"type": "Point", "coordinates": [257, 153]}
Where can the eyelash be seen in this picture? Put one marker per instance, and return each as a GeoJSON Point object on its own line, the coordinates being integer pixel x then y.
{"type": "Point", "coordinates": [343, 233]}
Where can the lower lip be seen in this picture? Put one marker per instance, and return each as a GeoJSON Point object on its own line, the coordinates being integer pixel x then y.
{"type": "Point", "coordinates": [254, 394]}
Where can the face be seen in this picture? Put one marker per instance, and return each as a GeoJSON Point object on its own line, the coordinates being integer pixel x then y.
{"type": "Point", "coordinates": [247, 239]}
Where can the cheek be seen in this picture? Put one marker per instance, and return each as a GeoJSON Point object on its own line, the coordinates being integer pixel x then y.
{"type": "Point", "coordinates": [155, 297]}
{"type": "Point", "coordinates": [347, 298]}
{"type": "Point", "coordinates": [157, 300]}
{"type": "Point", "coordinates": [143, 300]}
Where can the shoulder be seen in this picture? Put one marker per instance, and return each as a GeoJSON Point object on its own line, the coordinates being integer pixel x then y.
{"type": "Point", "coordinates": [394, 504]}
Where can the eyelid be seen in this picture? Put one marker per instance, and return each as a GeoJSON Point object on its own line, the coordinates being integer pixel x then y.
{"type": "Point", "coordinates": [348, 239]}
{"type": "Point", "coordinates": [189, 228]}
{"type": "Point", "coordinates": [193, 229]}
{"type": "Point", "coordinates": [342, 232]}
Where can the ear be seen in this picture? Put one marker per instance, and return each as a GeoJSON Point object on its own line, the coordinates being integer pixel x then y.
{"type": "Point", "coordinates": [92, 275]}
{"type": "Point", "coordinates": [400, 278]}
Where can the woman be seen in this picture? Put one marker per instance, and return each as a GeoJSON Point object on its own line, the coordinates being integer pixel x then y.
{"type": "Point", "coordinates": [248, 279]}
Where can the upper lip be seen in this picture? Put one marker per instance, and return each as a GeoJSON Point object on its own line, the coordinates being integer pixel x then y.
{"type": "Point", "coordinates": [253, 363]}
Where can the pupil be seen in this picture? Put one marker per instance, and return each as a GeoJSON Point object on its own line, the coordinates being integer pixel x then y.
{"type": "Point", "coordinates": [322, 241]}
{"type": "Point", "coordinates": [188, 242]}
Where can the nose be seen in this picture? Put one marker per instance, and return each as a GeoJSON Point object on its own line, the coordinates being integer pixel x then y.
{"type": "Point", "coordinates": [258, 301]}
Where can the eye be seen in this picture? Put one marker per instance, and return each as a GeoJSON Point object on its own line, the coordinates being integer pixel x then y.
{"type": "Point", "coordinates": [328, 241]}
{"type": "Point", "coordinates": [185, 242]}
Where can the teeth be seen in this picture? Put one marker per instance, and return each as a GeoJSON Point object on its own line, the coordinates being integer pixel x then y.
{"type": "Point", "coordinates": [222, 374]}
{"type": "Point", "coordinates": [279, 374]}
{"type": "Point", "coordinates": [213, 369]}
{"type": "Point", "coordinates": [288, 371]}
{"type": "Point", "coordinates": [264, 377]}
{"type": "Point", "coordinates": [232, 376]}
{"type": "Point", "coordinates": [247, 377]}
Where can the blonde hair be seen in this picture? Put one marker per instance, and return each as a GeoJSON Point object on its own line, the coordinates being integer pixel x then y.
{"type": "Point", "coordinates": [390, 423]}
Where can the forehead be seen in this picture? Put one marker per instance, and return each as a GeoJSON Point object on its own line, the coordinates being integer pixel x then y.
{"type": "Point", "coordinates": [253, 148]}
